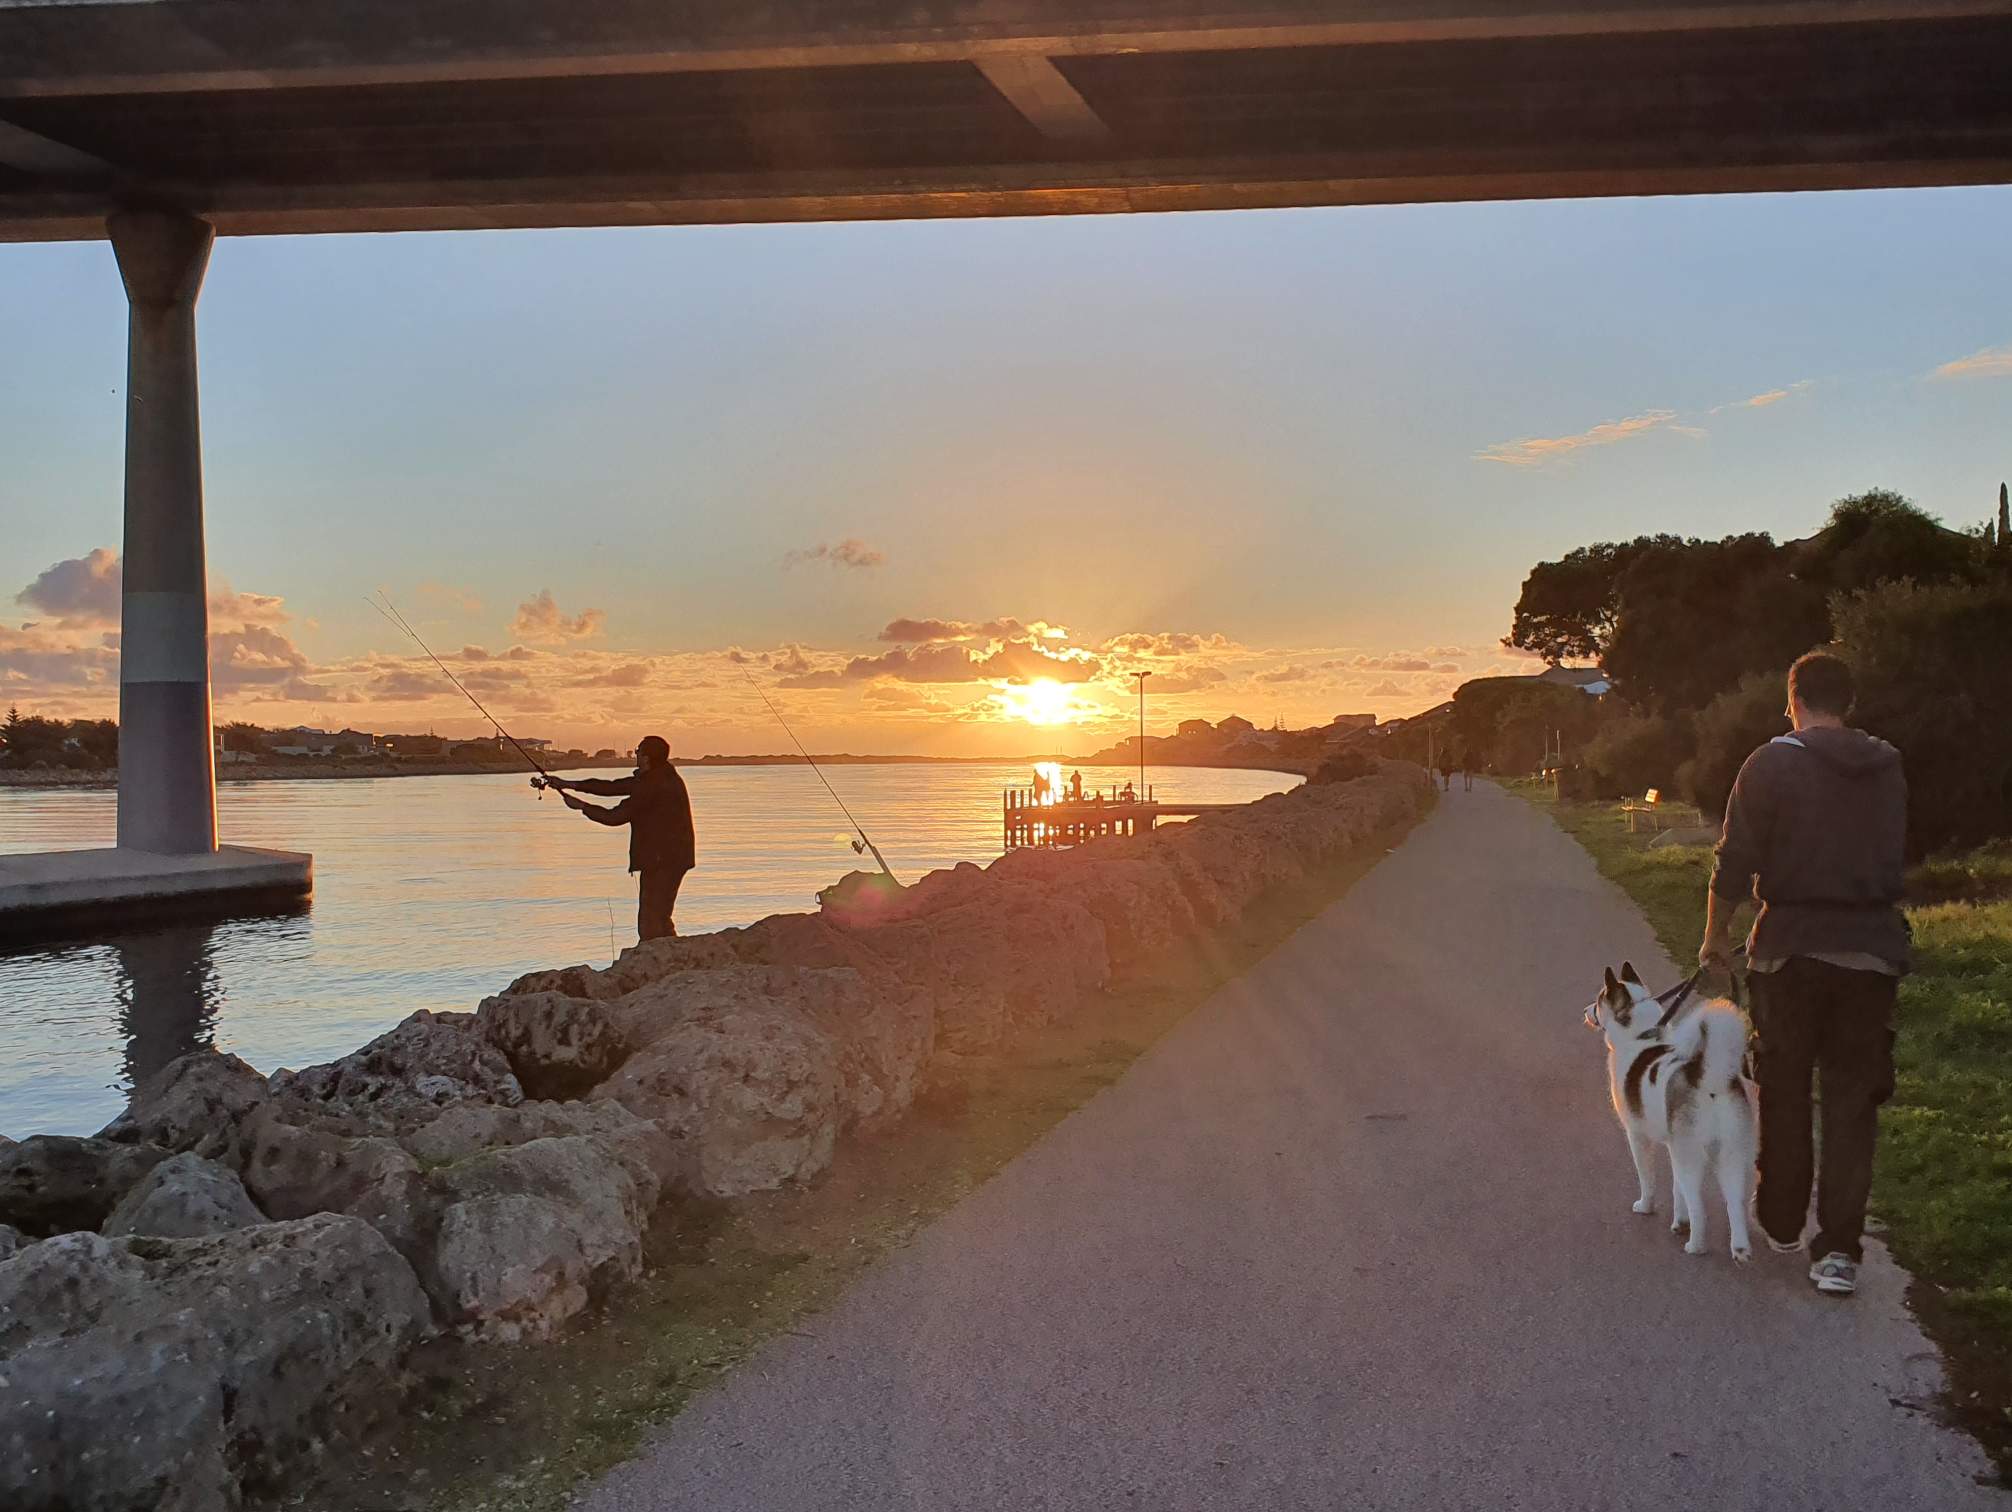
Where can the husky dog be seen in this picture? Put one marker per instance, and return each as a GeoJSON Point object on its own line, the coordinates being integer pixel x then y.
{"type": "Point", "coordinates": [1676, 1081]}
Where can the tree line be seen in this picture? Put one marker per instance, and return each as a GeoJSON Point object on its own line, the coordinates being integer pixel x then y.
{"type": "Point", "coordinates": [1696, 636]}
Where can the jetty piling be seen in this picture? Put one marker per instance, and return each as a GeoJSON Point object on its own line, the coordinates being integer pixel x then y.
{"type": "Point", "coordinates": [1030, 821]}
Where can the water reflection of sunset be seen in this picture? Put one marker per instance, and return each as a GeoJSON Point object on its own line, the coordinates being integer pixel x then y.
{"type": "Point", "coordinates": [1048, 781]}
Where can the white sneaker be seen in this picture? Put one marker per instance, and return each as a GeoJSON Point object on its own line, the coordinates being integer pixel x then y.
{"type": "Point", "coordinates": [1835, 1275]}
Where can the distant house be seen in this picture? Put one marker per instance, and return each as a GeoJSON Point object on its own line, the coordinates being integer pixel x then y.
{"type": "Point", "coordinates": [1343, 723]}
{"type": "Point", "coordinates": [1266, 740]}
{"type": "Point", "coordinates": [1234, 726]}
{"type": "Point", "coordinates": [413, 745]}
{"type": "Point", "coordinates": [1588, 680]}
{"type": "Point", "coordinates": [1194, 727]}
{"type": "Point", "coordinates": [604, 754]}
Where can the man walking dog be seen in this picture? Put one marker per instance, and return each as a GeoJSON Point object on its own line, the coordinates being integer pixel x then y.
{"type": "Point", "coordinates": [1816, 829]}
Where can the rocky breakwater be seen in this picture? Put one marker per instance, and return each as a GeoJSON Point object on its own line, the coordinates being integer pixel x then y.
{"type": "Point", "coordinates": [235, 1269]}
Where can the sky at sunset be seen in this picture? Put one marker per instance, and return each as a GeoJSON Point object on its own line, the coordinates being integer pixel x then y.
{"type": "Point", "coordinates": [939, 486]}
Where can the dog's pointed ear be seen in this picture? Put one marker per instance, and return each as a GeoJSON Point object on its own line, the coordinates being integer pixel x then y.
{"type": "Point", "coordinates": [1611, 982]}
{"type": "Point", "coordinates": [1628, 973]}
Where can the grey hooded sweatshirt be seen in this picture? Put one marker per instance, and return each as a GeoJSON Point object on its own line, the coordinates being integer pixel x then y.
{"type": "Point", "coordinates": [1816, 828]}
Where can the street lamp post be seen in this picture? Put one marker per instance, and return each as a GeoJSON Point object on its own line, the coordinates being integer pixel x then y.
{"type": "Point", "coordinates": [1142, 676]}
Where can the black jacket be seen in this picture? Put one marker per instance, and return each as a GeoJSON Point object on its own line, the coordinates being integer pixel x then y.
{"type": "Point", "coordinates": [657, 810]}
{"type": "Point", "coordinates": [1816, 828]}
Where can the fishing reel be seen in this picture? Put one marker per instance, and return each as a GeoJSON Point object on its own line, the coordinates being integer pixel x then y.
{"type": "Point", "coordinates": [541, 783]}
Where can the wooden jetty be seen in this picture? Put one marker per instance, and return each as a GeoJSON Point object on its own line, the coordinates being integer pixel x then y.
{"type": "Point", "coordinates": [1030, 820]}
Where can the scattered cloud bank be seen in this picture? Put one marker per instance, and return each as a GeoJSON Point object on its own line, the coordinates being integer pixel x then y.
{"type": "Point", "coordinates": [540, 619]}
{"type": "Point", "coordinates": [1991, 362]}
{"type": "Point", "coordinates": [952, 684]}
{"type": "Point", "coordinates": [1535, 451]}
{"type": "Point", "coordinates": [850, 552]}
{"type": "Point", "coordinates": [78, 591]}
{"type": "Point", "coordinates": [1766, 399]}
{"type": "Point", "coordinates": [74, 646]}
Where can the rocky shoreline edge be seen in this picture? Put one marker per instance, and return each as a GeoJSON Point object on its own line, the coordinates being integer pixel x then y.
{"type": "Point", "coordinates": [232, 1274]}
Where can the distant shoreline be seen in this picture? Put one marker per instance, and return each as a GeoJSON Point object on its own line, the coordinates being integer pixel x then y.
{"type": "Point", "coordinates": [64, 779]}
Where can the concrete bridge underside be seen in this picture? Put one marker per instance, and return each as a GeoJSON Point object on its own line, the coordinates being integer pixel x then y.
{"type": "Point", "coordinates": [355, 115]}
{"type": "Point", "coordinates": [160, 123]}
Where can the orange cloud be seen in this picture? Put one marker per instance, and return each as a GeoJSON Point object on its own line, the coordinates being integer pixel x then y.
{"type": "Point", "coordinates": [850, 552]}
{"type": "Point", "coordinates": [1991, 362]}
{"type": "Point", "coordinates": [540, 619]}
{"type": "Point", "coordinates": [1535, 451]}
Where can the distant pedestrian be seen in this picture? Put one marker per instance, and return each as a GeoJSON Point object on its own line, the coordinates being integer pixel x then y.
{"type": "Point", "coordinates": [1816, 829]}
{"type": "Point", "coordinates": [658, 811]}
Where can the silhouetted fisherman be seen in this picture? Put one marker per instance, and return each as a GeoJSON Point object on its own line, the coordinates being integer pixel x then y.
{"type": "Point", "coordinates": [658, 811]}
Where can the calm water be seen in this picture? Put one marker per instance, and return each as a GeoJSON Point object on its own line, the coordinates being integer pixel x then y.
{"type": "Point", "coordinates": [431, 892]}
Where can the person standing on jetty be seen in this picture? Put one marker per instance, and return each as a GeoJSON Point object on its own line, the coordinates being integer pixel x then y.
{"type": "Point", "coordinates": [1816, 828]}
{"type": "Point", "coordinates": [658, 812]}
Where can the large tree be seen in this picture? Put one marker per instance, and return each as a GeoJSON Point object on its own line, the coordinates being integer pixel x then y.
{"type": "Point", "coordinates": [1677, 622]}
{"type": "Point", "coordinates": [1569, 608]}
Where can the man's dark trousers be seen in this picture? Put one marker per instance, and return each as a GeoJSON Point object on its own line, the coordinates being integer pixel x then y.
{"type": "Point", "coordinates": [656, 896]}
{"type": "Point", "coordinates": [1810, 1016]}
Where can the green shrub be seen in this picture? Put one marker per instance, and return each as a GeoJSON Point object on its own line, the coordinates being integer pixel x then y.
{"type": "Point", "coordinates": [1635, 753]}
{"type": "Point", "coordinates": [1728, 730]}
{"type": "Point", "coordinates": [1934, 679]}
{"type": "Point", "coordinates": [1343, 766]}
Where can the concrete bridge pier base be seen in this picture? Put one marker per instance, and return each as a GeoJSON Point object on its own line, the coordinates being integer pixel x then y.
{"type": "Point", "coordinates": [167, 773]}
{"type": "Point", "coordinates": [167, 861]}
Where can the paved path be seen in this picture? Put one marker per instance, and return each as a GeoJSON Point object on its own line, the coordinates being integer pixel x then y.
{"type": "Point", "coordinates": [1355, 1235]}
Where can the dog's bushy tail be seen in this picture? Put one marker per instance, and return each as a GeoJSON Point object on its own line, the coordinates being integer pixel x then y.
{"type": "Point", "coordinates": [1722, 1044]}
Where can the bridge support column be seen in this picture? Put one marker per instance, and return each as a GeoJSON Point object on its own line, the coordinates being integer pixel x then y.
{"type": "Point", "coordinates": [167, 772]}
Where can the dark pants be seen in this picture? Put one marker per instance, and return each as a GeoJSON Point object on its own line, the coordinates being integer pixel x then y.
{"type": "Point", "coordinates": [1814, 1018]}
{"type": "Point", "coordinates": [656, 896]}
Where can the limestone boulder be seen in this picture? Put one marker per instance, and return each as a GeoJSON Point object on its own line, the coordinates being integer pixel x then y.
{"type": "Point", "coordinates": [184, 1197]}
{"type": "Point", "coordinates": [294, 1170]}
{"type": "Point", "coordinates": [745, 1084]}
{"type": "Point", "coordinates": [580, 981]}
{"type": "Point", "coordinates": [881, 1030]}
{"type": "Point", "coordinates": [1145, 913]}
{"type": "Point", "coordinates": [142, 1374]}
{"type": "Point", "coordinates": [59, 1183]}
{"type": "Point", "coordinates": [406, 1075]}
{"type": "Point", "coordinates": [558, 1046]}
{"type": "Point", "coordinates": [463, 1132]}
{"type": "Point", "coordinates": [1239, 865]}
{"type": "Point", "coordinates": [1015, 957]}
{"type": "Point", "coordinates": [198, 1102]}
{"type": "Point", "coordinates": [528, 1233]}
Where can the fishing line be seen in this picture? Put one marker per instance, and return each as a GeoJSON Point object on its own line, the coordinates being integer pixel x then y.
{"type": "Point", "coordinates": [395, 618]}
{"type": "Point", "coordinates": [820, 775]}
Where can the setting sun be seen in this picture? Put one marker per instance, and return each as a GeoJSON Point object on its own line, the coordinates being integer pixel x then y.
{"type": "Point", "coordinates": [1042, 702]}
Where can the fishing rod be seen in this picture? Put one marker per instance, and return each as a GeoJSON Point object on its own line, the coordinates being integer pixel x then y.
{"type": "Point", "coordinates": [863, 840]}
{"type": "Point", "coordinates": [395, 618]}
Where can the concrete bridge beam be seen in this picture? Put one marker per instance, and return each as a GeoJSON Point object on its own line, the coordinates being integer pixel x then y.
{"type": "Point", "coordinates": [167, 774]}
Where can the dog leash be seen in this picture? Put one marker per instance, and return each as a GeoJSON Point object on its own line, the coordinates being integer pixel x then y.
{"type": "Point", "coordinates": [1674, 998]}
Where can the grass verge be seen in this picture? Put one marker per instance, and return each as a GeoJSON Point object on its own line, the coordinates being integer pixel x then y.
{"type": "Point", "coordinates": [1943, 1182]}
{"type": "Point", "coordinates": [519, 1429]}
